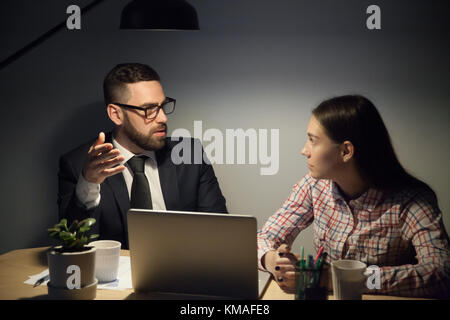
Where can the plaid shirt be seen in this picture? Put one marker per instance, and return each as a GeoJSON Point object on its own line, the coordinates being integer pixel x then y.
{"type": "Point", "coordinates": [403, 233]}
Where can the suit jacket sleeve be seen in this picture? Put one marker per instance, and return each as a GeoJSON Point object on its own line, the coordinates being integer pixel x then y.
{"type": "Point", "coordinates": [69, 206]}
{"type": "Point", "coordinates": [210, 197]}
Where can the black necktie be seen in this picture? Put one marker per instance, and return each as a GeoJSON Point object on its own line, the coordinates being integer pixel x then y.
{"type": "Point", "coordinates": [141, 197]}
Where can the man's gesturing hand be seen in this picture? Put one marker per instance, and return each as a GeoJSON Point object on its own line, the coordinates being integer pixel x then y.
{"type": "Point", "coordinates": [102, 161]}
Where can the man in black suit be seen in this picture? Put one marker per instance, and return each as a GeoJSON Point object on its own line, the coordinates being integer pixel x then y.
{"type": "Point", "coordinates": [134, 162]}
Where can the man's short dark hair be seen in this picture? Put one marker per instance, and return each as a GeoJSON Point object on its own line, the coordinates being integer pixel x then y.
{"type": "Point", "coordinates": [114, 85]}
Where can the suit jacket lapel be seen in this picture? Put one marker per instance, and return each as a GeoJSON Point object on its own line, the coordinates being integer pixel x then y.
{"type": "Point", "coordinates": [120, 191]}
{"type": "Point", "coordinates": [168, 178]}
{"type": "Point", "coordinates": [119, 188]}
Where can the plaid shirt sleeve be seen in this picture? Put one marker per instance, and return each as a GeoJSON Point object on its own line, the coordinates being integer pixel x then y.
{"type": "Point", "coordinates": [422, 224]}
{"type": "Point", "coordinates": [295, 214]}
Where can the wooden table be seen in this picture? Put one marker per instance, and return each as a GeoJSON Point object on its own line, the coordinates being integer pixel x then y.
{"type": "Point", "coordinates": [17, 265]}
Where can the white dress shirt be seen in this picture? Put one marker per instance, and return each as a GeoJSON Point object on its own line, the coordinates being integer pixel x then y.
{"type": "Point", "coordinates": [88, 193]}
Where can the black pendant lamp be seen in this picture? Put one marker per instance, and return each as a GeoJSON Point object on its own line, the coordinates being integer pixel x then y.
{"type": "Point", "coordinates": [159, 15]}
{"type": "Point", "coordinates": [138, 14]}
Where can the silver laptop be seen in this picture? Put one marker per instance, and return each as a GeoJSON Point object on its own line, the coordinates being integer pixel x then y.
{"type": "Point", "coordinates": [205, 254]}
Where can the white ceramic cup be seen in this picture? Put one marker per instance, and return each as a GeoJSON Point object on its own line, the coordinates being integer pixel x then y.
{"type": "Point", "coordinates": [106, 259]}
{"type": "Point", "coordinates": [349, 277]}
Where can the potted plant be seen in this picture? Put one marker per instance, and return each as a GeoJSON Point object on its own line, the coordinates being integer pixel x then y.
{"type": "Point", "coordinates": [72, 262]}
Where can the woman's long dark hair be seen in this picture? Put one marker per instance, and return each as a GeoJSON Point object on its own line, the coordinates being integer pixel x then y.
{"type": "Point", "coordinates": [355, 118]}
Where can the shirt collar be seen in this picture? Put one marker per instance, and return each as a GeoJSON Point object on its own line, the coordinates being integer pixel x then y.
{"type": "Point", "coordinates": [369, 199]}
{"type": "Point", "coordinates": [127, 154]}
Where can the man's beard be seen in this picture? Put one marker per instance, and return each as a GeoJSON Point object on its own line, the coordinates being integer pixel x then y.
{"type": "Point", "coordinates": [146, 142]}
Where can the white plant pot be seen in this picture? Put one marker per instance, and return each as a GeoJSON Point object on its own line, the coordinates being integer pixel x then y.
{"type": "Point", "coordinates": [72, 274]}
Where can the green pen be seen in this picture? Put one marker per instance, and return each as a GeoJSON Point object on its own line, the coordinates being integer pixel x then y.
{"type": "Point", "coordinates": [302, 262]}
{"type": "Point", "coordinates": [321, 260]}
{"type": "Point", "coordinates": [319, 263]}
{"type": "Point", "coordinates": [318, 275]}
{"type": "Point", "coordinates": [319, 267]}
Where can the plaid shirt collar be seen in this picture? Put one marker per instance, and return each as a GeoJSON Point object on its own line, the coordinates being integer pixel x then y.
{"type": "Point", "coordinates": [368, 200]}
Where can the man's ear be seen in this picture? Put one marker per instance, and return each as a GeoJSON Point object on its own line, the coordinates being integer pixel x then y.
{"type": "Point", "coordinates": [115, 113]}
{"type": "Point", "coordinates": [347, 151]}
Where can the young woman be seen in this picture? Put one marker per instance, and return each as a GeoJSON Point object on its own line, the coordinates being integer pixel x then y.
{"type": "Point", "coordinates": [363, 205]}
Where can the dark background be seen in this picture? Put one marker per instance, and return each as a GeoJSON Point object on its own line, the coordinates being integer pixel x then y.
{"type": "Point", "coordinates": [254, 64]}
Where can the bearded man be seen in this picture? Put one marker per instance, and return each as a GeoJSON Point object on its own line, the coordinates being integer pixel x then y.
{"type": "Point", "coordinates": [132, 167]}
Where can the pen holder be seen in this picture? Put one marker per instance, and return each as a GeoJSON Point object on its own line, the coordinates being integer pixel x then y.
{"type": "Point", "coordinates": [309, 283]}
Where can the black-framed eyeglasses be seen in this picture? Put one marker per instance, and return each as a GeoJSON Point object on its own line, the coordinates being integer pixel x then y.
{"type": "Point", "coordinates": [152, 110]}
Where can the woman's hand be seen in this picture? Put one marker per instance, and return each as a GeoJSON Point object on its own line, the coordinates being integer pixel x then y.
{"type": "Point", "coordinates": [281, 264]}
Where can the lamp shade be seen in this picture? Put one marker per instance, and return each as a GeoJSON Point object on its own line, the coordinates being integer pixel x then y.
{"type": "Point", "coordinates": [159, 15]}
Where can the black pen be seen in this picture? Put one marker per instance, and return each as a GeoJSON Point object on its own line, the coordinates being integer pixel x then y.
{"type": "Point", "coordinates": [41, 280]}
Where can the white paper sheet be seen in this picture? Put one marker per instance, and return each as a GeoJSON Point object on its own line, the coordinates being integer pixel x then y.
{"type": "Point", "coordinates": [122, 282]}
{"type": "Point", "coordinates": [32, 279]}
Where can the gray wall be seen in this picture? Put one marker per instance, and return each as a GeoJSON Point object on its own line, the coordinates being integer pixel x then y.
{"type": "Point", "coordinates": [254, 64]}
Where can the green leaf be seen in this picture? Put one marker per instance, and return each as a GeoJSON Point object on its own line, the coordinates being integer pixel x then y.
{"type": "Point", "coordinates": [84, 229]}
{"type": "Point", "coordinates": [83, 241]}
{"type": "Point", "coordinates": [87, 222]}
{"type": "Point", "coordinates": [73, 244]}
{"type": "Point", "coordinates": [53, 234]}
{"type": "Point", "coordinates": [62, 224]}
{"type": "Point", "coordinates": [53, 229]}
{"type": "Point", "coordinates": [64, 235]}
{"type": "Point", "coordinates": [73, 226]}
{"type": "Point", "coordinates": [93, 236]}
